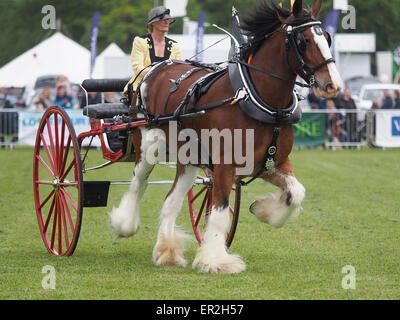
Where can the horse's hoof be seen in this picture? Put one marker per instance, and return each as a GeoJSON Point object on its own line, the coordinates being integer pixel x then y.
{"type": "Point", "coordinates": [251, 208]}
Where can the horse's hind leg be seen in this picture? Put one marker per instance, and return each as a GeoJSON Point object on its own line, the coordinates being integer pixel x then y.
{"type": "Point", "coordinates": [169, 247]}
{"type": "Point", "coordinates": [278, 207]}
{"type": "Point", "coordinates": [212, 256]}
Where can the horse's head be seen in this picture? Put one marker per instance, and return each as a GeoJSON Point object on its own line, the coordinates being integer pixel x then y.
{"type": "Point", "coordinates": [308, 48]}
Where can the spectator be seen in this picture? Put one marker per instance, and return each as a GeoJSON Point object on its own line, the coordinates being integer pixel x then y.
{"type": "Point", "coordinates": [43, 101]}
{"type": "Point", "coordinates": [375, 104]}
{"type": "Point", "coordinates": [63, 99]}
{"type": "Point", "coordinates": [334, 124]}
{"type": "Point", "coordinates": [64, 82]}
{"type": "Point", "coordinates": [110, 97]}
{"type": "Point", "coordinates": [346, 102]}
{"type": "Point", "coordinates": [397, 99]}
{"type": "Point", "coordinates": [387, 102]}
{"type": "Point", "coordinates": [93, 98]}
{"type": "Point", "coordinates": [8, 124]}
{"type": "Point", "coordinates": [313, 100]}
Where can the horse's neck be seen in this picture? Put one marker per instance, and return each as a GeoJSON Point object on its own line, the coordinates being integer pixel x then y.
{"type": "Point", "coordinates": [271, 56]}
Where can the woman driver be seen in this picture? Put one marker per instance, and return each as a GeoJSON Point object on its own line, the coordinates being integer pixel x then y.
{"type": "Point", "coordinates": [152, 47]}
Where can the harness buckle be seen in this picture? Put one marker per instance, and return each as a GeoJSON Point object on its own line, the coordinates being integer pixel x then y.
{"type": "Point", "coordinates": [312, 80]}
{"type": "Point", "coordinates": [241, 94]}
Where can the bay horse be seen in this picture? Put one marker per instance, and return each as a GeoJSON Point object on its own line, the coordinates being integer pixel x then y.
{"type": "Point", "coordinates": [271, 30]}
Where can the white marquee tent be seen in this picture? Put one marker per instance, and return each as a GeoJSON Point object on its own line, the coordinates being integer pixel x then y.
{"type": "Point", "coordinates": [112, 51]}
{"type": "Point", "coordinates": [55, 55]}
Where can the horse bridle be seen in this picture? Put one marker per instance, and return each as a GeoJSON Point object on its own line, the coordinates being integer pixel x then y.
{"type": "Point", "coordinates": [295, 40]}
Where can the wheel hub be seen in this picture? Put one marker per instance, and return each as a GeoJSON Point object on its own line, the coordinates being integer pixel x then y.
{"type": "Point", "coordinates": [56, 183]}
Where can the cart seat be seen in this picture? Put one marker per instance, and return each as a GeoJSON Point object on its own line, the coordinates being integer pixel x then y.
{"type": "Point", "coordinates": [105, 110]}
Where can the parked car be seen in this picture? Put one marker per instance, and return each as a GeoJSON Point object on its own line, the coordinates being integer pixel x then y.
{"type": "Point", "coordinates": [356, 83]}
{"type": "Point", "coordinates": [45, 81]}
{"type": "Point", "coordinates": [33, 90]}
{"type": "Point", "coordinates": [370, 92]}
{"type": "Point", "coordinates": [13, 96]}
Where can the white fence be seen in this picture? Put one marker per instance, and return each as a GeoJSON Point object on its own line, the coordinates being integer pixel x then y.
{"type": "Point", "coordinates": [342, 128]}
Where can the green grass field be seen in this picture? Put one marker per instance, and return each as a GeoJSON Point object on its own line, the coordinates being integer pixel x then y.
{"type": "Point", "coordinates": [351, 216]}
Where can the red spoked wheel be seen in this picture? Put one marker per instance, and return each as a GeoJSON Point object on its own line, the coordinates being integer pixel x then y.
{"type": "Point", "coordinates": [200, 203]}
{"type": "Point", "coordinates": [58, 182]}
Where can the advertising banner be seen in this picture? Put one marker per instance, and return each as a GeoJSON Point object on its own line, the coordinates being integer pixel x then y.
{"type": "Point", "coordinates": [28, 123]}
{"type": "Point", "coordinates": [387, 131]}
{"type": "Point", "coordinates": [310, 131]}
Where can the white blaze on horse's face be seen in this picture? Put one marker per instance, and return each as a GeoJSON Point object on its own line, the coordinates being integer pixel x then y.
{"type": "Point", "coordinates": [335, 83]}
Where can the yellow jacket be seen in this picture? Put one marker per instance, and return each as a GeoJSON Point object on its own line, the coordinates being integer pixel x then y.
{"type": "Point", "coordinates": [143, 55]}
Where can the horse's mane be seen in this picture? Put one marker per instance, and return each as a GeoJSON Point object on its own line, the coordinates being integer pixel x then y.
{"type": "Point", "coordinates": [263, 20]}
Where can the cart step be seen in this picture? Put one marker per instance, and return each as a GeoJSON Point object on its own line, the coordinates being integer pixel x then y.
{"type": "Point", "coordinates": [95, 193]}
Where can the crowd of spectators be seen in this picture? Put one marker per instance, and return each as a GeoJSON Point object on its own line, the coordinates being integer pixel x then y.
{"type": "Point", "coordinates": [65, 98]}
{"type": "Point", "coordinates": [61, 94]}
{"type": "Point", "coordinates": [342, 124]}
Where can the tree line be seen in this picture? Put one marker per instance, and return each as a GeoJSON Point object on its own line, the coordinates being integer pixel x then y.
{"type": "Point", "coordinates": [121, 20]}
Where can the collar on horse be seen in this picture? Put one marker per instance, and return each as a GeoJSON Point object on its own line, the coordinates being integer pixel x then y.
{"type": "Point", "coordinates": [251, 103]}
{"type": "Point", "coordinates": [240, 78]}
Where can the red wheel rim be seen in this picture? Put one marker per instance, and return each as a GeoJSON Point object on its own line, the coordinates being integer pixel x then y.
{"type": "Point", "coordinates": [57, 182]}
{"type": "Point", "coordinates": [200, 204]}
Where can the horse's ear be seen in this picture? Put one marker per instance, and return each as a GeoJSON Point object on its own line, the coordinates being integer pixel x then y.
{"type": "Point", "coordinates": [297, 7]}
{"type": "Point", "coordinates": [316, 8]}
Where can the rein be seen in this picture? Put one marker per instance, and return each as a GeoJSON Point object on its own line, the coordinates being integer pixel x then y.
{"type": "Point", "coordinates": [273, 75]}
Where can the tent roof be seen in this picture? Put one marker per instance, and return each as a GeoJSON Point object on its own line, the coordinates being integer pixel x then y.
{"type": "Point", "coordinates": [55, 55]}
{"type": "Point", "coordinates": [112, 51]}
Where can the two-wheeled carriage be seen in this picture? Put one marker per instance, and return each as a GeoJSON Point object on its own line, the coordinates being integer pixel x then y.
{"type": "Point", "coordinates": [60, 162]}
{"type": "Point", "coordinates": [254, 94]}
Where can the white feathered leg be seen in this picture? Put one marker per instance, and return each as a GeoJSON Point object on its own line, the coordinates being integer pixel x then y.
{"type": "Point", "coordinates": [170, 241]}
{"type": "Point", "coordinates": [125, 220]}
{"type": "Point", "coordinates": [212, 256]}
{"type": "Point", "coordinates": [278, 207]}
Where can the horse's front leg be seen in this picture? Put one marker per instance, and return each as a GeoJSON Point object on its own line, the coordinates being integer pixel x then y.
{"type": "Point", "coordinates": [212, 256]}
{"type": "Point", "coordinates": [170, 241]}
{"type": "Point", "coordinates": [278, 207]}
{"type": "Point", "coordinates": [125, 219]}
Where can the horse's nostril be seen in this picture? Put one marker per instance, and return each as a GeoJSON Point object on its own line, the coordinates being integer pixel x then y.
{"type": "Point", "coordinates": [329, 87]}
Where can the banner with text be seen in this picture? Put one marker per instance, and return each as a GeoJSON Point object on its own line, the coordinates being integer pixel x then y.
{"type": "Point", "coordinates": [310, 131]}
{"type": "Point", "coordinates": [387, 128]}
{"type": "Point", "coordinates": [28, 124]}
